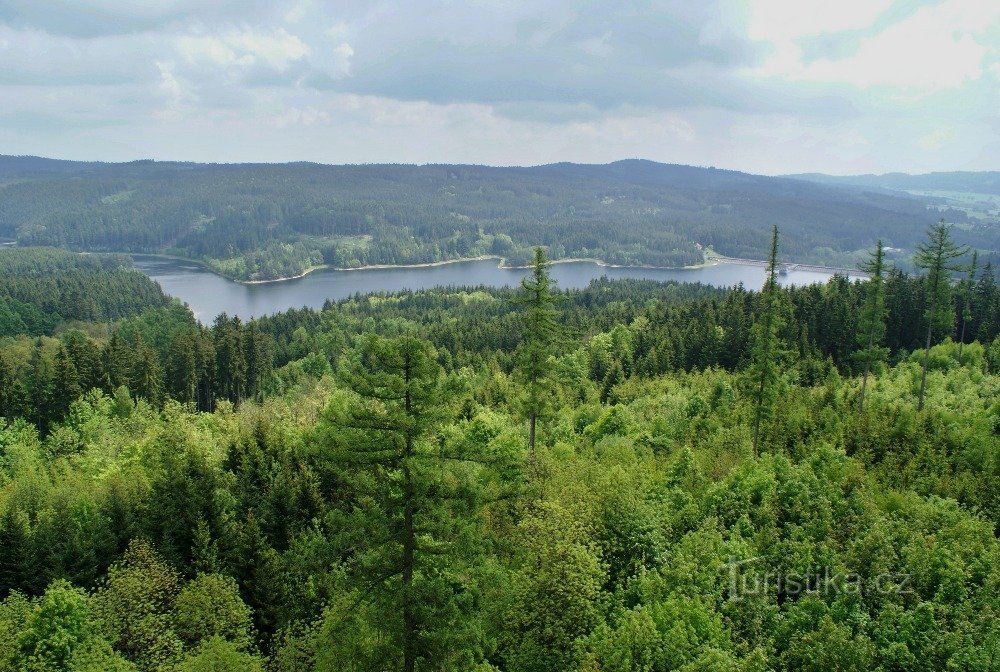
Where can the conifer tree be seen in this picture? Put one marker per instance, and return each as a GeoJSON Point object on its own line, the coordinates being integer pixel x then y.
{"type": "Point", "coordinates": [406, 519]}
{"type": "Point", "coordinates": [66, 383]}
{"type": "Point", "coordinates": [146, 374]}
{"type": "Point", "coordinates": [965, 290]}
{"type": "Point", "coordinates": [230, 358]}
{"type": "Point", "coordinates": [13, 396]}
{"type": "Point", "coordinates": [938, 257]}
{"type": "Point", "coordinates": [766, 352]}
{"type": "Point", "coordinates": [540, 334]}
{"type": "Point", "coordinates": [181, 368]}
{"type": "Point", "coordinates": [987, 303]}
{"type": "Point", "coordinates": [871, 327]}
{"type": "Point", "coordinates": [40, 391]}
{"type": "Point", "coordinates": [259, 361]}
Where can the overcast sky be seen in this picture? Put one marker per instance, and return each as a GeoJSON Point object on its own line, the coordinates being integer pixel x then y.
{"type": "Point", "coordinates": [769, 86]}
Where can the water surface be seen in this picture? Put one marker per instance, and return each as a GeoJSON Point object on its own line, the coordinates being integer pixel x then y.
{"type": "Point", "coordinates": [209, 294]}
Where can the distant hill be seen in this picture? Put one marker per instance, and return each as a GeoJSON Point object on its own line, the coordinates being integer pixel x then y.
{"type": "Point", "coordinates": [969, 182]}
{"type": "Point", "coordinates": [33, 165]}
{"type": "Point", "coordinates": [257, 221]}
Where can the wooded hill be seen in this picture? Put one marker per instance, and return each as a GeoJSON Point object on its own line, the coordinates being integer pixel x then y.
{"type": "Point", "coordinates": [259, 221]}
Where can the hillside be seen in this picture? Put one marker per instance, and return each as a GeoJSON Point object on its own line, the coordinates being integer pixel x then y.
{"type": "Point", "coordinates": [259, 221]}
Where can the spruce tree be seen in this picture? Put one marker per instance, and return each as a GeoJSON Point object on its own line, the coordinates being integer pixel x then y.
{"type": "Point", "coordinates": [230, 358]}
{"type": "Point", "coordinates": [938, 257]}
{"type": "Point", "coordinates": [40, 387]}
{"type": "Point", "coordinates": [259, 361]}
{"type": "Point", "coordinates": [181, 368]}
{"type": "Point", "coordinates": [540, 335]}
{"type": "Point", "coordinates": [409, 521]}
{"type": "Point", "coordinates": [66, 383]}
{"type": "Point", "coordinates": [766, 343]}
{"type": "Point", "coordinates": [146, 374]}
{"type": "Point", "coordinates": [965, 296]}
{"type": "Point", "coordinates": [13, 396]}
{"type": "Point", "coordinates": [871, 326]}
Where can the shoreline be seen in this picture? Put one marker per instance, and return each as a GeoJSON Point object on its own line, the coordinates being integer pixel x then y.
{"type": "Point", "coordinates": [714, 260]}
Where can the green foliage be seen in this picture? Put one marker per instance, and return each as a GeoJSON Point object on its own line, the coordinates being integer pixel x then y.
{"type": "Point", "coordinates": [219, 655]}
{"type": "Point", "coordinates": [42, 287]}
{"type": "Point", "coordinates": [539, 338]}
{"type": "Point", "coordinates": [257, 222]}
{"type": "Point", "coordinates": [938, 257]}
{"type": "Point", "coordinates": [385, 515]}
{"type": "Point", "coordinates": [210, 606]}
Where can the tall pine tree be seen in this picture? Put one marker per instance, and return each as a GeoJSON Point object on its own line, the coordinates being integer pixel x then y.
{"type": "Point", "coordinates": [938, 257]}
{"type": "Point", "coordinates": [766, 344]}
{"type": "Point", "coordinates": [965, 297]}
{"type": "Point", "coordinates": [871, 327]}
{"type": "Point", "coordinates": [409, 522]}
{"type": "Point", "coordinates": [539, 337]}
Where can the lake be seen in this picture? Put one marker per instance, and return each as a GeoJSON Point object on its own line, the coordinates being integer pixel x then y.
{"type": "Point", "coordinates": [209, 294]}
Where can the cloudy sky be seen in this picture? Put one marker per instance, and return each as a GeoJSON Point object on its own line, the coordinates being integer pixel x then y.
{"type": "Point", "coordinates": [768, 86]}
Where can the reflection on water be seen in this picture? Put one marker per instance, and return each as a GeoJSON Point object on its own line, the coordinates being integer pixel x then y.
{"type": "Point", "coordinates": [209, 294]}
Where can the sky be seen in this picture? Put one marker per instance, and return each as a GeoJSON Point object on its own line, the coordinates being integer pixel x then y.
{"type": "Point", "coordinates": [766, 86]}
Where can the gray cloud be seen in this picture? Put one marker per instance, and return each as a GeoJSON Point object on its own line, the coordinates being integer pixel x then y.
{"type": "Point", "coordinates": [438, 81]}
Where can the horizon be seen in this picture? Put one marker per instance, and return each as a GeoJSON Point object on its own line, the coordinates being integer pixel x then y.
{"type": "Point", "coordinates": [479, 165]}
{"type": "Point", "coordinates": [765, 87]}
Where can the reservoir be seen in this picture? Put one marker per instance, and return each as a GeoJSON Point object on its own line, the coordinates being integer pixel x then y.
{"type": "Point", "coordinates": [209, 294]}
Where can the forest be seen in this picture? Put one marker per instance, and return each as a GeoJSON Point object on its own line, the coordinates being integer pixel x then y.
{"type": "Point", "coordinates": [260, 221]}
{"type": "Point", "coordinates": [634, 476]}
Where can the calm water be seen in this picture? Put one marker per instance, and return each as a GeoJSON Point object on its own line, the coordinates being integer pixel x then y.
{"type": "Point", "coordinates": [209, 294]}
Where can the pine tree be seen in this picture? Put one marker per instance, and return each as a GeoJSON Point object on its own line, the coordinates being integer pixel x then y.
{"type": "Point", "coordinates": [766, 349]}
{"type": "Point", "coordinates": [937, 256]}
{"type": "Point", "coordinates": [204, 355]}
{"type": "Point", "coordinates": [40, 387]}
{"type": "Point", "coordinates": [259, 361]}
{"type": "Point", "coordinates": [871, 327]}
{"type": "Point", "coordinates": [146, 374]}
{"type": "Point", "coordinates": [181, 370]}
{"type": "Point", "coordinates": [66, 383]}
{"type": "Point", "coordinates": [13, 396]}
{"type": "Point", "coordinates": [540, 335]}
{"type": "Point", "coordinates": [987, 306]}
{"type": "Point", "coordinates": [117, 356]}
{"type": "Point", "coordinates": [384, 446]}
{"type": "Point", "coordinates": [965, 296]}
{"type": "Point", "coordinates": [230, 358]}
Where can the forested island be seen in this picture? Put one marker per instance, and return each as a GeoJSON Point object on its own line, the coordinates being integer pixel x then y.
{"type": "Point", "coordinates": [255, 222]}
{"type": "Point", "coordinates": [634, 476]}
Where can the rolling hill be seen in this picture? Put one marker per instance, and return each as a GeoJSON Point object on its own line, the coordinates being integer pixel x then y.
{"type": "Point", "coordinates": [260, 221]}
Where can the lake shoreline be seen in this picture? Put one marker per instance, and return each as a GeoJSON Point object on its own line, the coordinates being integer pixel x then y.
{"type": "Point", "coordinates": [430, 264]}
{"type": "Point", "coordinates": [714, 260]}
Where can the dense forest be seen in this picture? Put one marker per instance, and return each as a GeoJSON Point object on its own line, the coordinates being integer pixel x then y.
{"type": "Point", "coordinates": [255, 222]}
{"type": "Point", "coordinates": [634, 476]}
{"type": "Point", "coordinates": [41, 288]}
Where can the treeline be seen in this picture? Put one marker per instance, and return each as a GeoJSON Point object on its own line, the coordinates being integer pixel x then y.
{"type": "Point", "coordinates": [656, 327]}
{"type": "Point", "coordinates": [265, 221]}
{"type": "Point", "coordinates": [632, 327]}
{"type": "Point", "coordinates": [162, 354]}
{"type": "Point", "coordinates": [43, 287]}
